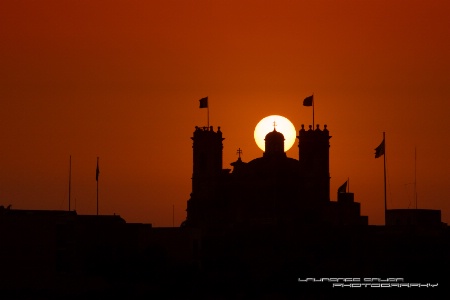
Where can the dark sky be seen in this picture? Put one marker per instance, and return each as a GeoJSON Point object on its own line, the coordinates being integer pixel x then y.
{"type": "Point", "coordinates": [121, 80]}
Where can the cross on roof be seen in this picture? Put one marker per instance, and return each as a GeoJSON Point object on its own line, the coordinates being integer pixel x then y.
{"type": "Point", "coordinates": [239, 152]}
{"type": "Point", "coordinates": [274, 125]}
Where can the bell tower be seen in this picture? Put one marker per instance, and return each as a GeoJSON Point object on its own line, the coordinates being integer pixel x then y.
{"type": "Point", "coordinates": [314, 150]}
{"type": "Point", "coordinates": [207, 167]}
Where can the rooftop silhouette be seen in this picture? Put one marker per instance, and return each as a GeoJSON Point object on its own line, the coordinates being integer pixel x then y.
{"type": "Point", "coordinates": [273, 190]}
{"type": "Point", "coordinates": [261, 229]}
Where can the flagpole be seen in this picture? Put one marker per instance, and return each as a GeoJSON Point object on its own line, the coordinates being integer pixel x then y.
{"type": "Point", "coordinates": [204, 104]}
{"type": "Point", "coordinates": [415, 175]}
{"type": "Point", "coordinates": [70, 176]}
{"type": "Point", "coordinates": [313, 112]}
{"type": "Point", "coordinates": [385, 203]}
{"type": "Point", "coordinates": [97, 184]}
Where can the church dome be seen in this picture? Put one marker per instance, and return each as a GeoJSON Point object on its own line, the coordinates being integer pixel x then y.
{"type": "Point", "coordinates": [274, 143]}
{"type": "Point", "coordinates": [274, 135]}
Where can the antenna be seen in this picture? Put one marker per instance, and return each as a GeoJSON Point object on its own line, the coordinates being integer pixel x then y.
{"type": "Point", "coordinates": [70, 176]}
{"type": "Point", "coordinates": [97, 171]}
{"type": "Point", "coordinates": [415, 175]}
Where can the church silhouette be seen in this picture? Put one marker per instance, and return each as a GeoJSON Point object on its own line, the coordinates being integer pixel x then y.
{"type": "Point", "coordinates": [265, 229]}
{"type": "Point", "coordinates": [271, 219]}
{"type": "Point", "coordinates": [270, 191]}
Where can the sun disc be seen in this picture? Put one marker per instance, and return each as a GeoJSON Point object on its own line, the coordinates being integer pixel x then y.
{"type": "Point", "coordinates": [282, 125]}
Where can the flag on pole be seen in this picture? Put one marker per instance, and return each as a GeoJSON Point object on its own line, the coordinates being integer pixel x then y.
{"type": "Point", "coordinates": [204, 102]}
{"type": "Point", "coordinates": [97, 171]}
{"type": "Point", "coordinates": [343, 188]}
{"type": "Point", "coordinates": [308, 101]}
{"type": "Point", "coordinates": [379, 151]}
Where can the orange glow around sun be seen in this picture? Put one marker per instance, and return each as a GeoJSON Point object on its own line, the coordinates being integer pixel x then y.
{"type": "Point", "coordinates": [282, 125]}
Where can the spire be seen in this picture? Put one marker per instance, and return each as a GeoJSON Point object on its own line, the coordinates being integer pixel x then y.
{"type": "Point", "coordinates": [239, 152]}
{"type": "Point", "coordinates": [238, 164]}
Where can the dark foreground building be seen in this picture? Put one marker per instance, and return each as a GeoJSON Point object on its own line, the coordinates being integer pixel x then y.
{"type": "Point", "coordinates": [270, 221]}
{"type": "Point", "coordinates": [265, 230]}
{"type": "Point", "coordinates": [63, 255]}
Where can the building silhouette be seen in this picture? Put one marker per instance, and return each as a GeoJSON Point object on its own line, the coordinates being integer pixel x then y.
{"type": "Point", "coordinates": [251, 232]}
{"type": "Point", "coordinates": [270, 191]}
{"type": "Point", "coordinates": [271, 219]}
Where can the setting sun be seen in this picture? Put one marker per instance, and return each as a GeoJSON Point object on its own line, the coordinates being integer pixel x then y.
{"type": "Point", "coordinates": [282, 125]}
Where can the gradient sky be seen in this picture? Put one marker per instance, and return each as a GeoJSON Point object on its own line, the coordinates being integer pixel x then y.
{"type": "Point", "coordinates": [121, 80]}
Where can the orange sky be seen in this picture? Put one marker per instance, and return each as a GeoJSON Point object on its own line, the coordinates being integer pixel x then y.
{"type": "Point", "coordinates": [121, 80]}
